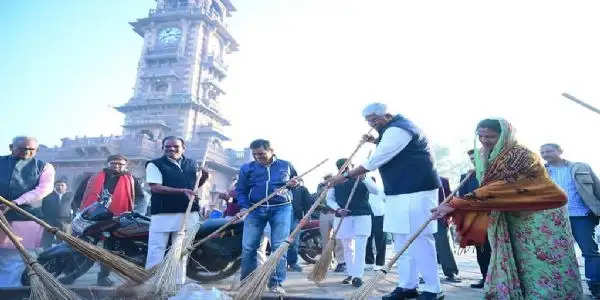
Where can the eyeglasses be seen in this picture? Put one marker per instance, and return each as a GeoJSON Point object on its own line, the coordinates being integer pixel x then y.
{"type": "Point", "coordinates": [117, 163]}
{"type": "Point", "coordinates": [27, 149]}
{"type": "Point", "coordinates": [372, 120]}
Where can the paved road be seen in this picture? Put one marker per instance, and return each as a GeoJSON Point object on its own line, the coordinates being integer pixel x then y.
{"type": "Point", "coordinates": [298, 285]}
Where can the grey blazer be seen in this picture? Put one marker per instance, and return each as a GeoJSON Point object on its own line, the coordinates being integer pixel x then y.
{"type": "Point", "coordinates": [588, 185]}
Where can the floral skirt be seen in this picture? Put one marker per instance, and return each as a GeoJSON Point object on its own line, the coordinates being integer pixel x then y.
{"type": "Point", "coordinates": [532, 256]}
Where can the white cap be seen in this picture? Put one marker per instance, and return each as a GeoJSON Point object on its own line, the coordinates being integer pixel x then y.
{"type": "Point", "coordinates": [375, 108]}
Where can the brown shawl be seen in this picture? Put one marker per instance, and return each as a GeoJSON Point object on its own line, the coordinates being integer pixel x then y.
{"type": "Point", "coordinates": [515, 181]}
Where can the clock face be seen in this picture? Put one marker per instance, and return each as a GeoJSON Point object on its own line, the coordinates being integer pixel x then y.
{"type": "Point", "coordinates": [169, 35]}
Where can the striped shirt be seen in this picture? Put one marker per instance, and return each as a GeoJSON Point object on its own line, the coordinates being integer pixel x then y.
{"type": "Point", "coordinates": [561, 175]}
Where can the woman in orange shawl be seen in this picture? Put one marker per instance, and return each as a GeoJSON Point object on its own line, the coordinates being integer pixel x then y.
{"type": "Point", "coordinates": [522, 212]}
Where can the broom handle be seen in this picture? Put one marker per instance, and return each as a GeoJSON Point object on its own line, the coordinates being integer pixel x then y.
{"type": "Point", "coordinates": [15, 240]}
{"type": "Point", "coordinates": [337, 228]}
{"type": "Point", "coordinates": [253, 207]}
{"type": "Point", "coordinates": [191, 201]}
{"type": "Point", "coordinates": [341, 170]}
{"type": "Point", "coordinates": [416, 234]}
{"type": "Point", "coordinates": [25, 213]}
{"type": "Point", "coordinates": [572, 98]}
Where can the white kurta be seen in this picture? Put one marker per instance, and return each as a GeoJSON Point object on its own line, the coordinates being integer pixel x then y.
{"type": "Point", "coordinates": [377, 203]}
{"type": "Point", "coordinates": [404, 215]}
{"type": "Point", "coordinates": [409, 211]}
{"type": "Point", "coordinates": [165, 225]}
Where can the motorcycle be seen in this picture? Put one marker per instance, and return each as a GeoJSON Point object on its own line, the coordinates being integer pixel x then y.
{"type": "Point", "coordinates": [216, 259]}
{"type": "Point", "coordinates": [311, 243]}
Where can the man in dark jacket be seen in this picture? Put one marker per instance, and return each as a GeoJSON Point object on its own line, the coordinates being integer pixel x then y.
{"type": "Point", "coordinates": [56, 208]}
{"type": "Point", "coordinates": [25, 181]}
{"type": "Point", "coordinates": [442, 244]}
{"type": "Point", "coordinates": [410, 181]}
{"type": "Point", "coordinates": [256, 181]}
{"type": "Point", "coordinates": [301, 202]}
{"type": "Point", "coordinates": [484, 252]}
{"type": "Point", "coordinates": [172, 179]}
{"type": "Point", "coordinates": [356, 225]}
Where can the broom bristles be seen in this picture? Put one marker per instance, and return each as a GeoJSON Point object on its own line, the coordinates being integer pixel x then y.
{"type": "Point", "coordinates": [36, 287]}
{"type": "Point", "coordinates": [164, 280]}
{"type": "Point", "coordinates": [54, 290]}
{"type": "Point", "coordinates": [116, 263]}
{"type": "Point", "coordinates": [365, 290]}
{"type": "Point", "coordinates": [319, 272]}
{"type": "Point", "coordinates": [43, 284]}
{"type": "Point", "coordinates": [253, 286]}
{"type": "Point", "coordinates": [122, 266]}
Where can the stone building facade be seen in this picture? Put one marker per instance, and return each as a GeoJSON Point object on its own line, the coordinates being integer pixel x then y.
{"type": "Point", "coordinates": [176, 92]}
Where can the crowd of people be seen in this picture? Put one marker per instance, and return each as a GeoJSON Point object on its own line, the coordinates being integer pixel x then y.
{"type": "Point", "coordinates": [522, 215]}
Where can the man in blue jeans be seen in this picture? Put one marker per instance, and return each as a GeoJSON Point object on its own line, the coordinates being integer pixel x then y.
{"type": "Point", "coordinates": [258, 179]}
{"type": "Point", "coordinates": [583, 191]}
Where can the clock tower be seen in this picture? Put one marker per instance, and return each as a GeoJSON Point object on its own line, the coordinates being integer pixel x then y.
{"type": "Point", "coordinates": [180, 70]}
{"type": "Point", "coordinates": [176, 92]}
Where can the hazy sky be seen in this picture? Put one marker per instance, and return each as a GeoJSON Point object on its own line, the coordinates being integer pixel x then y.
{"type": "Point", "coordinates": [306, 68]}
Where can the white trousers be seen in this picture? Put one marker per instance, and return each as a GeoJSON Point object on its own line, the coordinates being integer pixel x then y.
{"type": "Point", "coordinates": [420, 257]}
{"type": "Point", "coordinates": [354, 255]}
{"type": "Point", "coordinates": [157, 245]}
{"type": "Point", "coordinates": [353, 233]}
{"type": "Point", "coordinates": [11, 267]}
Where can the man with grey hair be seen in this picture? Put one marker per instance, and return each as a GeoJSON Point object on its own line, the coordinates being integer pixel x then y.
{"type": "Point", "coordinates": [25, 181]}
{"type": "Point", "coordinates": [410, 180]}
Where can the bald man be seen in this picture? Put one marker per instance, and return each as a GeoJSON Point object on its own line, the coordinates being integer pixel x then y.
{"type": "Point", "coordinates": [25, 181]}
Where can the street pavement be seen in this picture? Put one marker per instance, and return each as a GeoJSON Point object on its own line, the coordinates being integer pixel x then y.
{"type": "Point", "coordinates": [297, 286]}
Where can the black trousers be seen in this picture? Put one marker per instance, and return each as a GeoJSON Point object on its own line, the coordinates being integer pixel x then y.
{"type": "Point", "coordinates": [445, 256]}
{"type": "Point", "coordinates": [484, 253]}
{"type": "Point", "coordinates": [379, 236]}
{"type": "Point", "coordinates": [107, 244]}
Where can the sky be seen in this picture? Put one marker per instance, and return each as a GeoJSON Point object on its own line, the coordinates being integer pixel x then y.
{"type": "Point", "coordinates": [305, 69]}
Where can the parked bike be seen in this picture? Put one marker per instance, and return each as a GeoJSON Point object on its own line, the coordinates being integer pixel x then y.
{"type": "Point", "coordinates": [215, 259]}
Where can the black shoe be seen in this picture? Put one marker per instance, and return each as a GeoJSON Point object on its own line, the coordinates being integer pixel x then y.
{"type": "Point", "coordinates": [340, 268]}
{"type": "Point", "coordinates": [357, 282]}
{"type": "Point", "coordinates": [453, 278]}
{"type": "Point", "coordinates": [348, 280]}
{"type": "Point", "coordinates": [401, 294]}
{"type": "Point", "coordinates": [594, 289]}
{"type": "Point", "coordinates": [478, 285]}
{"type": "Point", "coordinates": [104, 281]}
{"type": "Point", "coordinates": [431, 296]}
{"type": "Point", "coordinates": [294, 268]}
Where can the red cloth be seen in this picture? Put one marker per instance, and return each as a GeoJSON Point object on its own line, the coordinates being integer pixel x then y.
{"type": "Point", "coordinates": [122, 197]}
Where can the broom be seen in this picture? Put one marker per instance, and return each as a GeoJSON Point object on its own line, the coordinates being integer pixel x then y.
{"type": "Point", "coordinates": [43, 286]}
{"type": "Point", "coordinates": [122, 266]}
{"type": "Point", "coordinates": [255, 284]}
{"type": "Point", "coordinates": [319, 272]}
{"type": "Point", "coordinates": [365, 290]}
{"type": "Point", "coordinates": [253, 207]}
{"type": "Point", "coordinates": [130, 287]}
{"type": "Point", "coordinates": [163, 282]}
